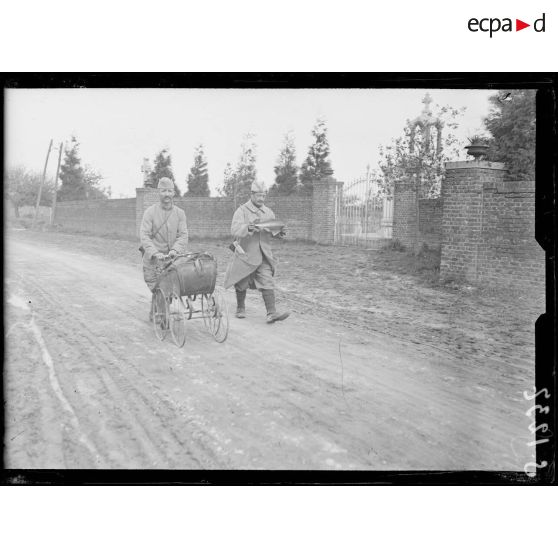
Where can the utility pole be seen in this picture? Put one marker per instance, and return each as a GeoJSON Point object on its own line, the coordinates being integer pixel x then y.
{"type": "Point", "coordinates": [41, 186]}
{"type": "Point", "coordinates": [54, 195]}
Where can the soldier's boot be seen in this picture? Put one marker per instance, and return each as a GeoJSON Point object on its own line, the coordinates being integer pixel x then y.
{"type": "Point", "coordinates": [272, 314]}
{"type": "Point", "coordinates": [240, 302]}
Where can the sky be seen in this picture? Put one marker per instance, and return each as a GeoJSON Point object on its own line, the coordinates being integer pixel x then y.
{"type": "Point", "coordinates": [117, 128]}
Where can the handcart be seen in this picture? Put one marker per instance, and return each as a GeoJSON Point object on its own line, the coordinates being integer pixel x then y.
{"type": "Point", "coordinates": [185, 290]}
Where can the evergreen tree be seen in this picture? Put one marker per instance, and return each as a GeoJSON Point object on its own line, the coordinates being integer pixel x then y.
{"type": "Point", "coordinates": [245, 173]}
{"type": "Point", "coordinates": [237, 183]}
{"type": "Point", "coordinates": [163, 168]}
{"type": "Point", "coordinates": [286, 171]}
{"type": "Point", "coordinates": [317, 163]}
{"type": "Point", "coordinates": [198, 179]}
{"type": "Point", "coordinates": [512, 123]}
{"type": "Point", "coordinates": [78, 182]}
{"type": "Point", "coordinates": [227, 187]}
{"type": "Point", "coordinates": [72, 177]}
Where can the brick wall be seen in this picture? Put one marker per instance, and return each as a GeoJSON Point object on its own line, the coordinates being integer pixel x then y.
{"type": "Point", "coordinates": [211, 217]}
{"type": "Point", "coordinates": [296, 212]}
{"type": "Point", "coordinates": [98, 216]}
{"type": "Point", "coordinates": [484, 225]}
{"type": "Point", "coordinates": [430, 222]}
{"type": "Point", "coordinates": [508, 247]}
{"type": "Point", "coordinates": [207, 217]}
{"type": "Point", "coordinates": [404, 217]}
{"type": "Point", "coordinates": [488, 230]}
{"type": "Point", "coordinates": [404, 214]}
{"type": "Point", "coordinates": [309, 218]}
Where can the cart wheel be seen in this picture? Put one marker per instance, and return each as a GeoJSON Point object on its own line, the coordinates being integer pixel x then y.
{"type": "Point", "coordinates": [215, 314]}
{"type": "Point", "coordinates": [177, 320]}
{"type": "Point", "coordinates": [160, 314]}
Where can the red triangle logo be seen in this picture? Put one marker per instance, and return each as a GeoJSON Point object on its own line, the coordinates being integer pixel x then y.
{"type": "Point", "coordinates": [519, 25]}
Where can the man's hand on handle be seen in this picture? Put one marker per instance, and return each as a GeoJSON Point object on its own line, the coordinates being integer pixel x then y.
{"type": "Point", "coordinates": [162, 257]}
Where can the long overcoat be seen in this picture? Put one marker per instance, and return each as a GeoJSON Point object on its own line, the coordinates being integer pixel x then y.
{"type": "Point", "coordinates": [256, 245]}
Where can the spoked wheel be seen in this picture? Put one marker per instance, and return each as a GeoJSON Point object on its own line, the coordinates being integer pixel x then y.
{"type": "Point", "coordinates": [177, 320]}
{"type": "Point", "coordinates": [160, 310]}
{"type": "Point", "coordinates": [215, 314]}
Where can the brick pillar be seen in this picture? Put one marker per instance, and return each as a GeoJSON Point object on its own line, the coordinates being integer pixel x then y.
{"type": "Point", "coordinates": [404, 212]}
{"type": "Point", "coordinates": [462, 215]}
{"type": "Point", "coordinates": [323, 209]}
{"type": "Point", "coordinates": [144, 198]}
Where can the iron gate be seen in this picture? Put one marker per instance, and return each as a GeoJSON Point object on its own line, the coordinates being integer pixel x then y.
{"type": "Point", "coordinates": [363, 214]}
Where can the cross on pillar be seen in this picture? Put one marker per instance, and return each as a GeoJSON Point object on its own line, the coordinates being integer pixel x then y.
{"type": "Point", "coordinates": [427, 100]}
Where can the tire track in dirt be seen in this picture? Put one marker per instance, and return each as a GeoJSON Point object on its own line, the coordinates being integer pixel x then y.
{"type": "Point", "coordinates": [198, 432]}
{"type": "Point", "coordinates": [54, 383]}
{"type": "Point", "coordinates": [132, 404]}
{"type": "Point", "coordinates": [270, 397]}
{"type": "Point", "coordinates": [117, 317]}
{"type": "Point", "coordinates": [34, 431]}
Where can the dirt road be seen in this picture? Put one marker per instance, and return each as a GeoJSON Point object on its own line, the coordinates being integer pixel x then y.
{"type": "Point", "coordinates": [87, 385]}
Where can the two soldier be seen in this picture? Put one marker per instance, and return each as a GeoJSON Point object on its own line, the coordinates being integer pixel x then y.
{"type": "Point", "coordinates": [164, 232]}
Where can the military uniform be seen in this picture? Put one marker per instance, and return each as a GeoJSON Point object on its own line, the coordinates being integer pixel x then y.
{"type": "Point", "coordinates": [158, 235]}
{"type": "Point", "coordinates": [255, 268]}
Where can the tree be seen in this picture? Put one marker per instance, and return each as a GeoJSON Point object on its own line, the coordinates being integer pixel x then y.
{"type": "Point", "coordinates": [163, 168]}
{"type": "Point", "coordinates": [245, 173]}
{"type": "Point", "coordinates": [420, 154]}
{"type": "Point", "coordinates": [22, 186]}
{"type": "Point", "coordinates": [227, 187]}
{"type": "Point", "coordinates": [317, 163]}
{"type": "Point", "coordinates": [72, 176]}
{"type": "Point", "coordinates": [512, 124]}
{"type": "Point", "coordinates": [92, 188]}
{"type": "Point", "coordinates": [78, 182]}
{"type": "Point", "coordinates": [286, 171]}
{"type": "Point", "coordinates": [198, 179]}
{"type": "Point", "coordinates": [238, 182]}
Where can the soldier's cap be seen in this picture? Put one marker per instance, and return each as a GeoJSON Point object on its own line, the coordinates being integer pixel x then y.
{"type": "Point", "coordinates": [165, 183]}
{"type": "Point", "coordinates": [258, 187]}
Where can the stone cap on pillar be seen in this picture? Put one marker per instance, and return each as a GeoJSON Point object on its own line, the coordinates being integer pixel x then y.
{"type": "Point", "coordinates": [451, 165]}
